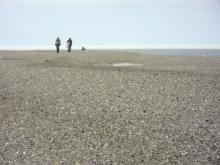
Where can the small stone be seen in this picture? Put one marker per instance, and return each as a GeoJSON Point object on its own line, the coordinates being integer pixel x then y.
{"type": "Point", "coordinates": [209, 158]}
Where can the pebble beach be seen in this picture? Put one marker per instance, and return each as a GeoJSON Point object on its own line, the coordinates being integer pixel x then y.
{"type": "Point", "coordinates": [108, 108]}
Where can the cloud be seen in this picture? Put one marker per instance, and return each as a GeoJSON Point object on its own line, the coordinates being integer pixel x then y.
{"type": "Point", "coordinates": [69, 1]}
{"type": "Point", "coordinates": [72, 3]}
{"type": "Point", "coordinates": [120, 3]}
{"type": "Point", "coordinates": [97, 2]}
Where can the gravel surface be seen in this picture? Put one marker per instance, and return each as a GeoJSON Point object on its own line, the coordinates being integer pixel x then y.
{"type": "Point", "coordinates": [78, 109]}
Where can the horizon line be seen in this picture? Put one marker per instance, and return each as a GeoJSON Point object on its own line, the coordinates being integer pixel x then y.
{"type": "Point", "coordinates": [109, 46]}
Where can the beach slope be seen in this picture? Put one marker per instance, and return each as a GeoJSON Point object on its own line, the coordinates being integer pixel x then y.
{"type": "Point", "coordinates": [108, 107]}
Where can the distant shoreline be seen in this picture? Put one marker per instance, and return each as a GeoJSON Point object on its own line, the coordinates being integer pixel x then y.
{"type": "Point", "coordinates": [108, 47]}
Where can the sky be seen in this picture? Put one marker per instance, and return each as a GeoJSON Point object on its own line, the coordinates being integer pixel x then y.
{"type": "Point", "coordinates": [131, 22]}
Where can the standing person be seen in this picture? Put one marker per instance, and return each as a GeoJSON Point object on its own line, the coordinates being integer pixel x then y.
{"type": "Point", "coordinates": [69, 44]}
{"type": "Point", "coordinates": [57, 44]}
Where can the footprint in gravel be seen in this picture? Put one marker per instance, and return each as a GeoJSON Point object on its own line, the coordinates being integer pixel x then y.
{"type": "Point", "coordinates": [209, 121]}
{"type": "Point", "coordinates": [3, 97]}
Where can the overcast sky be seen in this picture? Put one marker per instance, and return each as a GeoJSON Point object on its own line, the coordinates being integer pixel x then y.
{"type": "Point", "coordinates": [39, 22]}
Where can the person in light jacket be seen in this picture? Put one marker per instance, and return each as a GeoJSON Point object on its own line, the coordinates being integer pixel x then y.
{"type": "Point", "coordinates": [57, 44]}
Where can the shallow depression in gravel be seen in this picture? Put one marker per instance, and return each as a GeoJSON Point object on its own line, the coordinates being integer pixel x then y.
{"type": "Point", "coordinates": [125, 64]}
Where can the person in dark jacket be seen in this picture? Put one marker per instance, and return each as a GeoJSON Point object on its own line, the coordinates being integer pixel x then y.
{"type": "Point", "coordinates": [69, 44]}
{"type": "Point", "coordinates": [57, 44]}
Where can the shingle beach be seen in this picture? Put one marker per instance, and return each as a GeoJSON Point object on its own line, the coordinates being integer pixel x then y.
{"type": "Point", "coordinates": [108, 108]}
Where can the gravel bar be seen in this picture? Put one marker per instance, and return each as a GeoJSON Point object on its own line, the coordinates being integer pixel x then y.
{"type": "Point", "coordinates": [78, 109]}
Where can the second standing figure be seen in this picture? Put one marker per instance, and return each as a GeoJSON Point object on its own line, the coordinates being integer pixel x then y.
{"type": "Point", "coordinates": [69, 44]}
